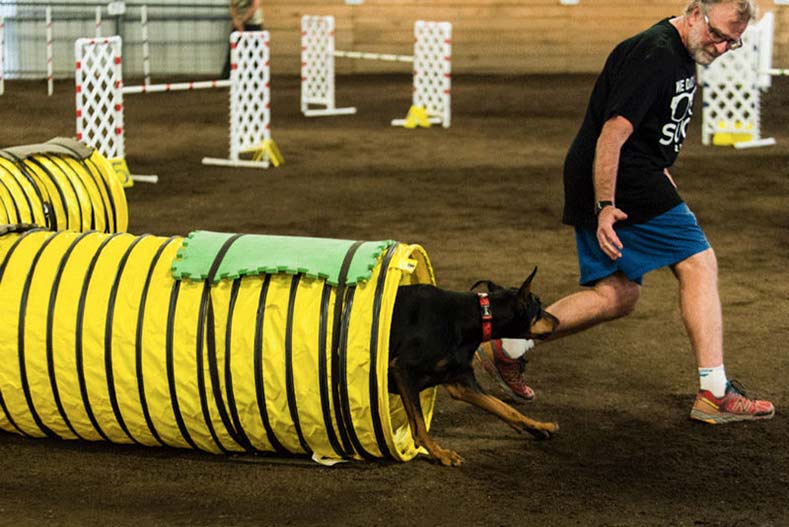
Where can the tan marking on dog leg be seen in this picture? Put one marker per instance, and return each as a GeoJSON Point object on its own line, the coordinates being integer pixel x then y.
{"type": "Point", "coordinates": [413, 410]}
{"type": "Point", "coordinates": [503, 411]}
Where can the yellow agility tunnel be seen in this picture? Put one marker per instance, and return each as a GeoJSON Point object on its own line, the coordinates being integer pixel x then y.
{"type": "Point", "coordinates": [61, 184]}
{"type": "Point", "coordinates": [218, 342]}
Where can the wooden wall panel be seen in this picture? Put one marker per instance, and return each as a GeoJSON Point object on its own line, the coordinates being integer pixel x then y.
{"type": "Point", "coordinates": [489, 36]}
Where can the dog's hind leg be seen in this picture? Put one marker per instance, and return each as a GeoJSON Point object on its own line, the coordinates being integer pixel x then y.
{"type": "Point", "coordinates": [413, 409]}
{"type": "Point", "coordinates": [473, 395]}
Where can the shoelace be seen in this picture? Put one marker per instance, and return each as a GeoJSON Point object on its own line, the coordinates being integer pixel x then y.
{"type": "Point", "coordinates": [737, 387]}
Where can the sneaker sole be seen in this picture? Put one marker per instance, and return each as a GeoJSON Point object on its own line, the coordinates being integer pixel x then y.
{"type": "Point", "coordinates": [491, 370]}
{"type": "Point", "coordinates": [719, 419]}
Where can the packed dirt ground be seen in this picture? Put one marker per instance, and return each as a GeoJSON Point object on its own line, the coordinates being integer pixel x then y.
{"type": "Point", "coordinates": [484, 199]}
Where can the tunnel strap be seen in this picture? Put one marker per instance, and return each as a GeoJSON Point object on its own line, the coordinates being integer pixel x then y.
{"type": "Point", "coordinates": [18, 228]}
{"type": "Point", "coordinates": [59, 146]}
{"type": "Point", "coordinates": [260, 254]}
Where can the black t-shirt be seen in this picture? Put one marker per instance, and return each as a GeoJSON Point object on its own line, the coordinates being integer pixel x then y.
{"type": "Point", "coordinates": [649, 79]}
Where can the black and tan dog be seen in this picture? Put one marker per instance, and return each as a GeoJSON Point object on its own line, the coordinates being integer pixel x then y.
{"type": "Point", "coordinates": [434, 336]}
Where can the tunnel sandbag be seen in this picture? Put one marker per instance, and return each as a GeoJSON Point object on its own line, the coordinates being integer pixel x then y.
{"type": "Point", "coordinates": [61, 184]}
{"type": "Point", "coordinates": [106, 338]}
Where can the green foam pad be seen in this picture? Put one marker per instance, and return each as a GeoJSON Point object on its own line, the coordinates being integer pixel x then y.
{"type": "Point", "coordinates": [254, 254]}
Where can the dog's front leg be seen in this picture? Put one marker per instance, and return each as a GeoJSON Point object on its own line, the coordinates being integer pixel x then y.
{"type": "Point", "coordinates": [505, 412]}
{"type": "Point", "coordinates": [413, 409]}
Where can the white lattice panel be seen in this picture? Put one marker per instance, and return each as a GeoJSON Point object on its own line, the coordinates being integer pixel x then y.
{"type": "Point", "coordinates": [433, 69]}
{"type": "Point", "coordinates": [250, 93]}
{"type": "Point", "coordinates": [99, 83]}
{"type": "Point", "coordinates": [731, 98]}
{"type": "Point", "coordinates": [317, 61]}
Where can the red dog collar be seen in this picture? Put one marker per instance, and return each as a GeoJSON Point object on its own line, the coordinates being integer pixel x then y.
{"type": "Point", "coordinates": [487, 316]}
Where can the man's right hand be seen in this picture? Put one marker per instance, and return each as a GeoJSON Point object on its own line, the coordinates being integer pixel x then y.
{"type": "Point", "coordinates": [606, 236]}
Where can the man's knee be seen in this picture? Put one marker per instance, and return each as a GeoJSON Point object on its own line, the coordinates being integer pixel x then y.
{"type": "Point", "coordinates": [700, 264]}
{"type": "Point", "coordinates": [621, 295]}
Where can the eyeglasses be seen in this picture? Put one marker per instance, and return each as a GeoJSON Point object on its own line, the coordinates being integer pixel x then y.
{"type": "Point", "coordinates": [718, 37]}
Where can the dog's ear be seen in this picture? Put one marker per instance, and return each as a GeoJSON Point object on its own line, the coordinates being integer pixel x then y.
{"type": "Point", "coordinates": [487, 283]}
{"type": "Point", "coordinates": [526, 287]}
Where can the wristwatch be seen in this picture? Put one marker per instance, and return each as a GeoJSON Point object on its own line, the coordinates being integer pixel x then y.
{"type": "Point", "coordinates": [600, 205]}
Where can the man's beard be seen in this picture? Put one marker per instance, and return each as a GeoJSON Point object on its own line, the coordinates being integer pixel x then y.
{"type": "Point", "coordinates": [701, 56]}
{"type": "Point", "coordinates": [698, 52]}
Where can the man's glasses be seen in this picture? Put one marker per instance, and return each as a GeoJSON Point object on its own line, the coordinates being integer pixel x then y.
{"type": "Point", "coordinates": [718, 37]}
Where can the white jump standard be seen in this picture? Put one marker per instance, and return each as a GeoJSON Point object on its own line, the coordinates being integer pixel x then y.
{"type": "Point", "coordinates": [100, 91]}
{"type": "Point", "coordinates": [432, 70]}
{"type": "Point", "coordinates": [733, 86]}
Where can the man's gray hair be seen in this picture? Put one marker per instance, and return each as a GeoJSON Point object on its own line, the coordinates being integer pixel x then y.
{"type": "Point", "coordinates": [746, 9]}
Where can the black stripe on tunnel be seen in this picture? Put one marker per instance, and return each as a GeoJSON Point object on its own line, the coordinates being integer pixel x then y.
{"type": "Point", "coordinates": [51, 330]}
{"type": "Point", "coordinates": [59, 163]}
{"type": "Point", "coordinates": [77, 176]}
{"type": "Point", "coordinates": [106, 199]}
{"type": "Point", "coordinates": [205, 301]}
{"type": "Point", "coordinates": [291, 389]}
{"type": "Point", "coordinates": [3, 266]}
{"type": "Point", "coordinates": [83, 388]}
{"type": "Point", "coordinates": [335, 348]}
{"type": "Point", "coordinates": [18, 218]}
{"type": "Point", "coordinates": [108, 338]}
{"type": "Point", "coordinates": [171, 366]}
{"type": "Point", "coordinates": [138, 341]}
{"type": "Point", "coordinates": [45, 208]}
{"type": "Point", "coordinates": [323, 374]}
{"type": "Point", "coordinates": [213, 366]}
{"type": "Point", "coordinates": [92, 169]}
{"type": "Point", "coordinates": [231, 399]}
{"type": "Point", "coordinates": [374, 387]}
{"type": "Point", "coordinates": [259, 385]}
{"type": "Point", "coordinates": [344, 399]}
{"type": "Point", "coordinates": [15, 178]}
{"type": "Point", "coordinates": [52, 216]}
{"type": "Point", "coordinates": [21, 336]}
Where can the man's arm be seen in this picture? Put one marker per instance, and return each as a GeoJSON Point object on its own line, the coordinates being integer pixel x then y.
{"type": "Point", "coordinates": [249, 13]}
{"type": "Point", "coordinates": [615, 132]}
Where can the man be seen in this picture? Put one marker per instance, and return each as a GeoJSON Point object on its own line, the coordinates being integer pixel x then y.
{"type": "Point", "coordinates": [247, 15]}
{"type": "Point", "coordinates": [621, 199]}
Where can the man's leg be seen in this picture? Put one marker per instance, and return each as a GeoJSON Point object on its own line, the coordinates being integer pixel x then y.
{"type": "Point", "coordinates": [701, 307]}
{"type": "Point", "coordinates": [612, 297]}
{"type": "Point", "coordinates": [718, 401]}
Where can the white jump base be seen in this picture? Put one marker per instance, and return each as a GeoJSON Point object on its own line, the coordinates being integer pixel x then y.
{"type": "Point", "coordinates": [323, 112]}
{"type": "Point", "coordinates": [241, 163]}
{"type": "Point", "coordinates": [432, 70]}
{"type": "Point", "coordinates": [100, 91]}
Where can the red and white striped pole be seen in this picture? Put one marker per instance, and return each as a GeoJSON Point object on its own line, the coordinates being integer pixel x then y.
{"type": "Point", "coordinates": [98, 21]}
{"type": "Point", "coordinates": [146, 66]}
{"type": "Point", "coordinates": [50, 65]}
{"type": "Point", "coordinates": [2, 55]}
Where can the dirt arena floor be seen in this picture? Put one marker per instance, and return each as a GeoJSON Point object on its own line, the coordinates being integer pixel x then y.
{"type": "Point", "coordinates": [484, 199]}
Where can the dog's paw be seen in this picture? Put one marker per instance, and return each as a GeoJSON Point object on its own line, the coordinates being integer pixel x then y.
{"type": "Point", "coordinates": [544, 431]}
{"type": "Point", "coordinates": [448, 458]}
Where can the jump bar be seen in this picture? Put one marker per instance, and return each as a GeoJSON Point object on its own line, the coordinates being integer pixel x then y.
{"type": "Point", "coordinates": [374, 56]}
{"type": "Point", "coordinates": [178, 86]}
{"type": "Point", "coordinates": [242, 163]}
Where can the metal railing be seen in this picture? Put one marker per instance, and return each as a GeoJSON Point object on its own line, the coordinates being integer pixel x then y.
{"type": "Point", "coordinates": [159, 37]}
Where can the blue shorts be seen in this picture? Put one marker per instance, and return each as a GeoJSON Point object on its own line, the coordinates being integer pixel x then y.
{"type": "Point", "coordinates": [664, 240]}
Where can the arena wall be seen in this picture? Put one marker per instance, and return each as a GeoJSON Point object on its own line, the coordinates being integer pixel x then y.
{"type": "Point", "coordinates": [189, 37]}
{"type": "Point", "coordinates": [489, 36]}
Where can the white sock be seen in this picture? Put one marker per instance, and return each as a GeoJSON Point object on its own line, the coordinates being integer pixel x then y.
{"type": "Point", "coordinates": [515, 348]}
{"type": "Point", "coordinates": [714, 380]}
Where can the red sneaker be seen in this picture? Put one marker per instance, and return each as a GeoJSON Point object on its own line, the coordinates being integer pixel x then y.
{"type": "Point", "coordinates": [506, 371]}
{"type": "Point", "coordinates": [733, 406]}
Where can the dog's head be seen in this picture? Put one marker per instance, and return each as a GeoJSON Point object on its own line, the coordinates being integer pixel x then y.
{"type": "Point", "coordinates": [527, 318]}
